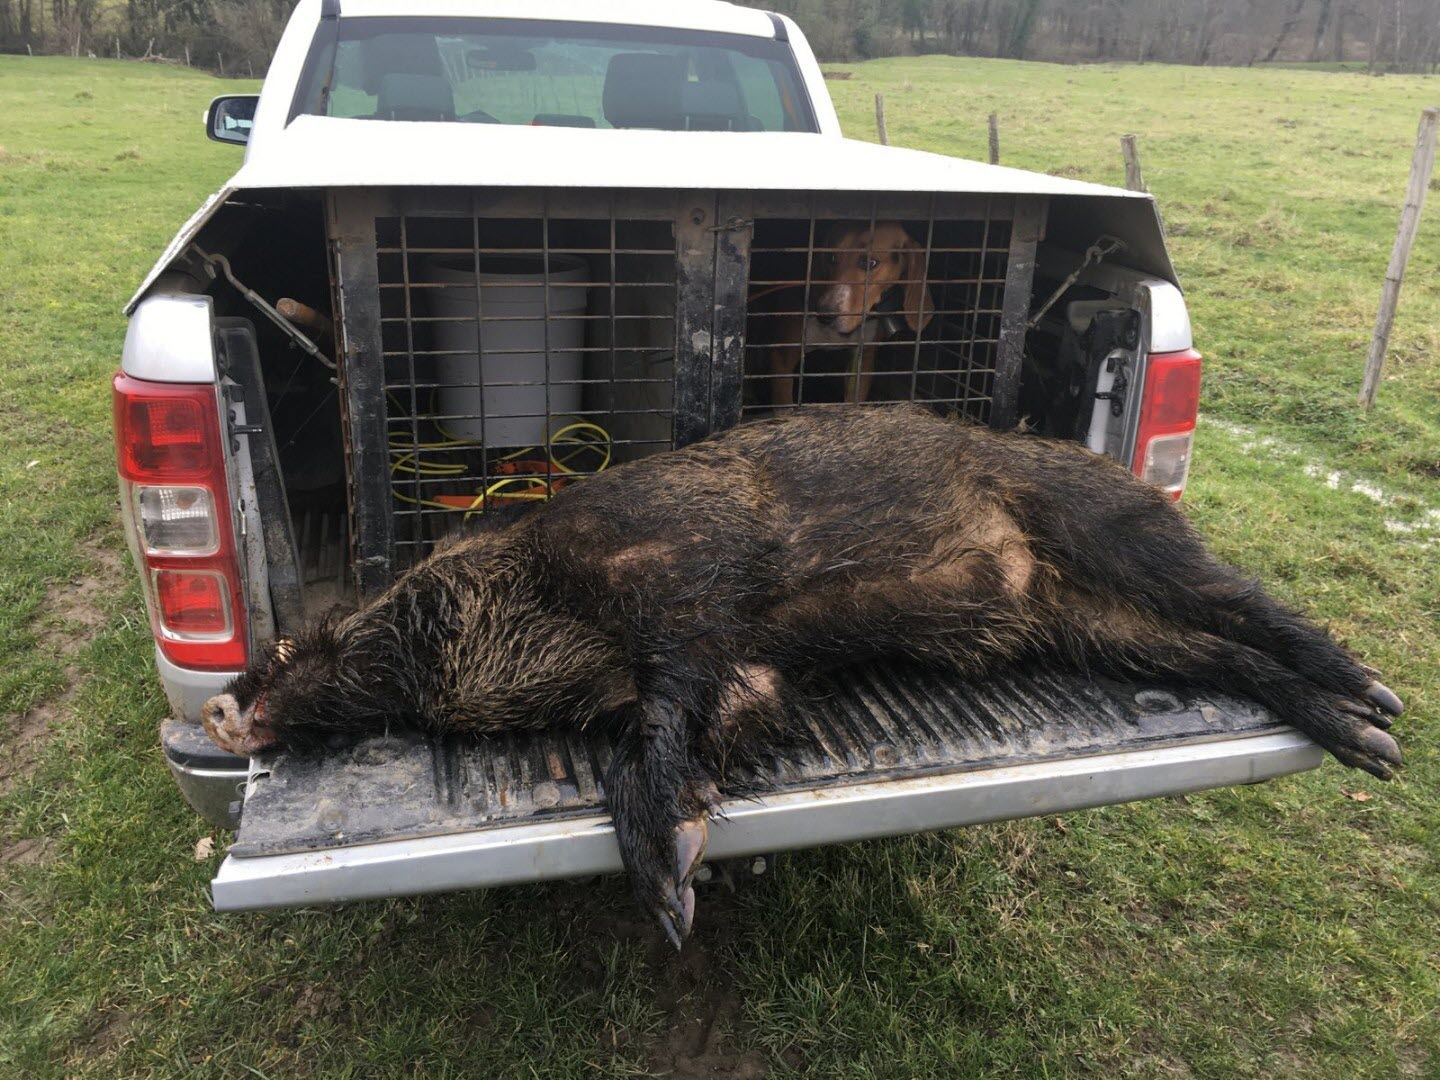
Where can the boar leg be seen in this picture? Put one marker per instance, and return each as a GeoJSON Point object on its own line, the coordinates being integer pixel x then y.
{"type": "Point", "coordinates": [1175, 578]}
{"type": "Point", "coordinates": [660, 800]}
{"type": "Point", "coordinates": [1348, 724]}
{"type": "Point", "coordinates": [1244, 613]}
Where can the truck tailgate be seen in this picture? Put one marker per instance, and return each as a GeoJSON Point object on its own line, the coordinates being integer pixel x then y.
{"type": "Point", "coordinates": [890, 750]}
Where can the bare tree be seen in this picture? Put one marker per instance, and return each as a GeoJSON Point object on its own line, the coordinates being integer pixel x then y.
{"type": "Point", "coordinates": [1292, 19]}
{"type": "Point", "coordinates": [1396, 34]}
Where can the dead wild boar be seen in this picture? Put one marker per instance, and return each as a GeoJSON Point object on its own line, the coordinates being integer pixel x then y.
{"type": "Point", "coordinates": [686, 596]}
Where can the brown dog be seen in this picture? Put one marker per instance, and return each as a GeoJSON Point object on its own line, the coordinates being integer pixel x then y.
{"type": "Point", "coordinates": [854, 268]}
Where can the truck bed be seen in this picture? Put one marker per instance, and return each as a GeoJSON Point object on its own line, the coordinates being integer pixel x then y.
{"type": "Point", "coordinates": [889, 749]}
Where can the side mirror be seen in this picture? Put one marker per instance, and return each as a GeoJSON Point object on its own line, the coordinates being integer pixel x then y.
{"type": "Point", "coordinates": [230, 118]}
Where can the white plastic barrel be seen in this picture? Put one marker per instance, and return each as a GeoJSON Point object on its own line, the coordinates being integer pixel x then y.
{"type": "Point", "coordinates": [498, 367]}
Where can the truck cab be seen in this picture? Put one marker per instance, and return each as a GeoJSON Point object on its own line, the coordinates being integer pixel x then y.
{"type": "Point", "coordinates": [476, 253]}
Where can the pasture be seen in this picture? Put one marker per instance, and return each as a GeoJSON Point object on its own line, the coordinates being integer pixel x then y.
{"type": "Point", "coordinates": [1283, 930]}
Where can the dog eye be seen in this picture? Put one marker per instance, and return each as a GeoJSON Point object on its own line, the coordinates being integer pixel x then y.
{"type": "Point", "coordinates": [871, 264]}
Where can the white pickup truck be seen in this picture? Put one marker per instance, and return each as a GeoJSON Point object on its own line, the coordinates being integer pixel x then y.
{"type": "Point", "coordinates": [479, 250]}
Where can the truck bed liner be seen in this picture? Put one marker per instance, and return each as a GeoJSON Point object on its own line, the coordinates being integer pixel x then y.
{"type": "Point", "coordinates": [868, 725]}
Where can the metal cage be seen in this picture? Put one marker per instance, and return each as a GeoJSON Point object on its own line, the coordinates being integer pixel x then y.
{"type": "Point", "coordinates": [499, 346]}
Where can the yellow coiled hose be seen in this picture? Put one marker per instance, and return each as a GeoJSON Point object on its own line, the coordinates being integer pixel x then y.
{"type": "Point", "coordinates": [580, 437]}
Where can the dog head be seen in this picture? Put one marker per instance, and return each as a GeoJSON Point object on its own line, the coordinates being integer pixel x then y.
{"type": "Point", "coordinates": [859, 265]}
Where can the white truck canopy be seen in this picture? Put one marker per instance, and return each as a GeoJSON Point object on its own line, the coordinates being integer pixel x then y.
{"type": "Point", "coordinates": [323, 152]}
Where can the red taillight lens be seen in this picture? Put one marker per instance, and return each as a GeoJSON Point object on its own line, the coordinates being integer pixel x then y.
{"type": "Point", "coordinates": [1167, 420]}
{"type": "Point", "coordinates": [193, 605]}
{"type": "Point", "coordinates": [164, 432]}
{"type": "Point", "coordinates": [181, 532]}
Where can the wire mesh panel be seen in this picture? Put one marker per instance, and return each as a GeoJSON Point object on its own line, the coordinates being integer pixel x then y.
{"type": "Point", "coordinates": [521, 354]}
{"type": "Point", "coordinates": [500, 345]}
{"type": "Point", "coordinates": [876, 307]}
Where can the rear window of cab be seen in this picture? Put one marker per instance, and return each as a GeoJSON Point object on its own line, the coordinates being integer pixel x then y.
{"type": "Point", "coordinates": [502, 71]}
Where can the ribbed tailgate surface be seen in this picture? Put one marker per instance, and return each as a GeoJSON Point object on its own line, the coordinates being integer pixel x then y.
{"type": "Point", "coordinates": [870, 723]}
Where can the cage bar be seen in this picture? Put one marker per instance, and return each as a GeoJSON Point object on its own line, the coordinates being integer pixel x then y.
{"type": "Point", "coordinates": [351, 217]}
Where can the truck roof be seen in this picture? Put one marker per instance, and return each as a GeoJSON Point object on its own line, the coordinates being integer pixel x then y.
{"type": "Point", "coordinates": [712, 15]}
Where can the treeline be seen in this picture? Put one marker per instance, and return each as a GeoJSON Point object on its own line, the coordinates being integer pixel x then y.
{"type": "Point", "coordinates": [1393, 34]}
{"type": "Point", "coordinates": [238, 36]}
{"type": "Point", "coordinates": [235, 37]}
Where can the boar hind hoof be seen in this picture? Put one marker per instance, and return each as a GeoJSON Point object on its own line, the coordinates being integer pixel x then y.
{"type": "Point", "coordinates": [1370, 749]}
{"type": "Point", "coordinates": [1384, 698]}
{"type": "Point", "coordinates": [1369, 713]}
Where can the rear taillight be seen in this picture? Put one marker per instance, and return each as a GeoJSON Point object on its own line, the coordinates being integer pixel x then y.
{"type": "Point", "coordinates": [194, 604]}
{"type": "Point", "coordinates": [175, 498]}
{"type": "Point", "coordinates": [1167, 420]}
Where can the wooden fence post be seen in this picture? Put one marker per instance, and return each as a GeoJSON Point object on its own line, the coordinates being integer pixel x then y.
{"type": "Point", "coordinates": [994, 139]}
{"type": "Point", "coordinates": [1420, 166]}
{"type": "Point", "coordinates": [880, 119]}
{"type": "Point", "coordinates": [1134, 180]}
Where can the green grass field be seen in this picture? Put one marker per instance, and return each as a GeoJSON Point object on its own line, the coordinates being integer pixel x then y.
{"type": "Point", "coordinates": [1287, 930]}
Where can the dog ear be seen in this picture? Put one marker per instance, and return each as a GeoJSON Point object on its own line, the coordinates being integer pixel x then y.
{"type": "Point", "coordinates": [919, 304]}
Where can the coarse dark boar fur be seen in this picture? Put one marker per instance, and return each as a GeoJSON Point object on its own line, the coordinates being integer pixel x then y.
{"type": "Point", "coordinates": [687, 595]}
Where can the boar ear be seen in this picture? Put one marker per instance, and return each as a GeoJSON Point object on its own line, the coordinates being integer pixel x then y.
{"type": "Point", "coordinates": [919, 305]}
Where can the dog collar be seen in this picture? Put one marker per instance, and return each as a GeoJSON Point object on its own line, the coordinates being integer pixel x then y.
{"type": "Point", "coordinates": [890, 312]}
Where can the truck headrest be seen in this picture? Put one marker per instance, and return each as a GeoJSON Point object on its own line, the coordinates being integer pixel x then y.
{"type": "Point", "coordinates": [711, 106]}
{"type": "Point", "coordinates": [415, 97]}
{"type": "Point", "coordinates": [642, 90]}
{"type": "Point", "coordinates": [387, 54]}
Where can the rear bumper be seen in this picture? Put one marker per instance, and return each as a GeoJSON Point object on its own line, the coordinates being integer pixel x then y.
{"type": "Point", "coordinates": [212, 781]}
{"type": "Point", "coordinates": [798, 819]}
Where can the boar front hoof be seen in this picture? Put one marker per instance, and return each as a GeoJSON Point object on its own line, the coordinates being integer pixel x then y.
{"type": "Point", "coordinates": [676, 910]}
